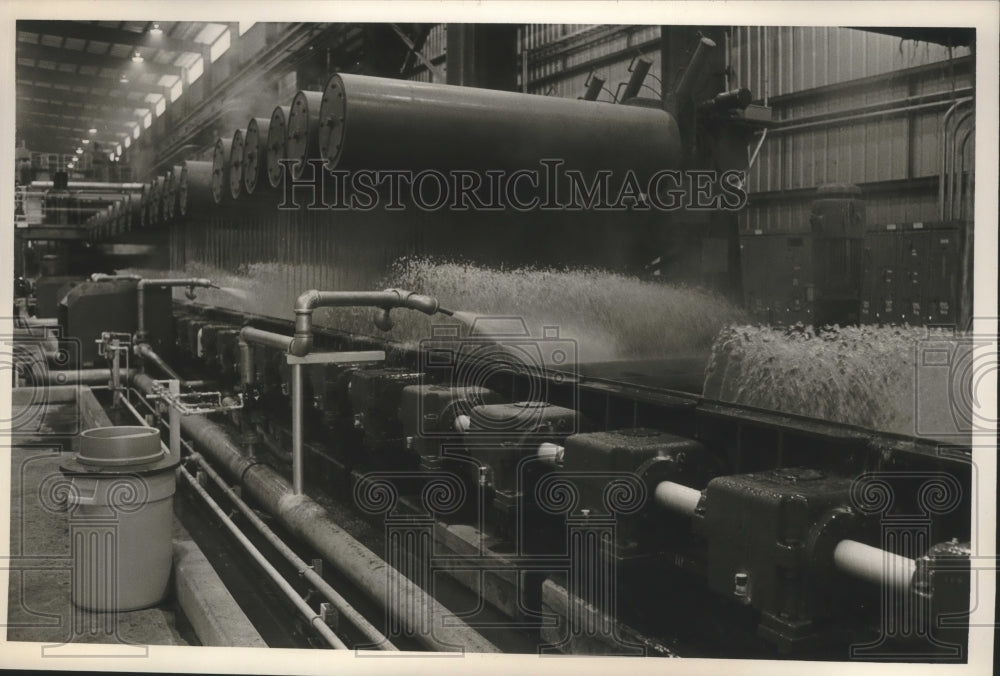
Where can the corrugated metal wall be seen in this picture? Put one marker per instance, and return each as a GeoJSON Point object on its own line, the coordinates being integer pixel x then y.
{"type": "Point", "coordinates": [803, 72]}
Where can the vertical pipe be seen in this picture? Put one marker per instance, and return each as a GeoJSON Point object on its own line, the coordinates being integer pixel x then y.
{"type": "Point", "coordinates": [246, 362]}
{"type": "Point", "coordinates": [175, 420]}
{"type": "Point", "coordinates": [297, 429]}
{"type": "Point", "coordinates": [953, 162]}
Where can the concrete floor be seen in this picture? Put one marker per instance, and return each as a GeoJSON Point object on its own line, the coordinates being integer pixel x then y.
{"type": "Point", "coordinates": [39, 605]}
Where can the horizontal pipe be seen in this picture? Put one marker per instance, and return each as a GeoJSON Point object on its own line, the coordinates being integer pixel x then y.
{"type": "Point", "coordinates": [677, 498]}
{"type": "Point", "coordinates": [310, 522]}
{"type": "Point", "coordinates": [551, 454]}
{"type": "Point", "coordinates": [306, 571]}
{"type": "Point", "coordinates": [833, 121]}
{"type": "Point", "coordinates": [249, 334]}
{"type": "Point", "coordinates": [304, 609]}
{"type": "Point", "coordinates": [874, 565]}
{"type": "Point", "coordinates": [306, 303]}
{"type": "Point", "coordinates": [92, 185]}
{"type": "Point", "coordinates": [289, 591]}
{"type": "Point", "coordinates": [96, 376]}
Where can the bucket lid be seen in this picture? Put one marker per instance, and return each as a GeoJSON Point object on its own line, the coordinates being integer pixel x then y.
{"type": "Point", "coordinates": [121, 448]}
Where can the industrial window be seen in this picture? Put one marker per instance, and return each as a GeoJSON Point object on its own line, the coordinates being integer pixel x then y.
{"type": "Point", "coordinates": [195, 71]}
{"type": "Point", "coordinates": [219, 47]}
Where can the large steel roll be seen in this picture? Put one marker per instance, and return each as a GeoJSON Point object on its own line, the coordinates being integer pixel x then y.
{"type": "Point", "coordinates": [116, 213]}
{"type": "Point", "coordinates": [276, 136]}
{"type": "Point", "coordinates": [170, 194]}
{"type": "Point", "coordinates": [194, 192]}
{"type": "Point", "coordinates": [255, 155]}
{"type": "Point", "coordinates": [301, 134]}
{"type": "Point", "coordinates": [235, 161]}
{"type": "Point", "coordinates": [220, 170]}
{"type": "Point", "coordinates": [379, 123]}
{"type": "Point", "coordinates": [156, 202]}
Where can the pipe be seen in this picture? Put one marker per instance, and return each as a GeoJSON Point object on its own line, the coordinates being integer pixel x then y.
{"type": "Point", "coordinates": [289, 591]}
{"type": "Point", "coordinates": [549, 453]}
{"type": "Point", "coordinates": [378, 639]}
{"type": "Point", "coordinates": [882, 112]}
{"type": "Point", "coordinates": [190, 282]}
{"type": "Point", "coordinates": [246, 362]}
{"type": "Point", "coordinates": [144, 351]}
{"type": "Point", "coordinates": [297, 459]}
{"type": "Point", "coordinates": [301, 343]}
{"type": "Point", "coordinates": [282, 548]}
{"type": "Point", "coordinates": [691, 78]}
{"type": "Point", "coordinates": [677, 498]}
{"type": "Point", "coordinates": [954, 157]}
{"type": "Point", "coordinates": [874, 565]}
{"type": "Point", "coordinates": [635, 81]}
{"type": "Point", "coordinates": [310, 522]}
{"type": "Point", "coordinates": [91, 185]}
{"type": "Point", "coordinates": [101, 277]}
{"type": "Point", "coordinates": [315, 579]}
{"type": "Point", "coordinates": [249, 334]}
{"type": "Point", "coordinates": [853, 558]}
{"type": "Point", "coordinates": [471, 128]}
{"type": "Point", "coordinates": [84, 377]}
{"type": "Point", "coordinates": [943, 153]}
{"type": "Point", "coordinates": [594, 88]}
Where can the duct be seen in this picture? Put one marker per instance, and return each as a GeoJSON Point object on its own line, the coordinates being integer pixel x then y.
{"type": "Point", "coordinates": [310, 522]}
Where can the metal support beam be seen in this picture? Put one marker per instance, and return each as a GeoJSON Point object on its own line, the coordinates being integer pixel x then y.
{"type": "Point", "coordinates": [483, 55]}
{"type": "Point", "coordinates": [82, 58]}
{"type": "Point", "coordinates": [77, 80]}
{"type": "Point", "coordinates": [90, 31]}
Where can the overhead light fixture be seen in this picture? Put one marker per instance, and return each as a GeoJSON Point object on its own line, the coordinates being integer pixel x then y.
{"type": "Point", "coordinates": [137, 57]}
{"type": "Point", "coordinates": [155, 29]}
{"type": "Point", "coordinates": [92, 130]}
{"type": "Point", "coordinates": [86, 141]}
{"type": "Point", "coordinates": [79, 151]}
{"type": "Point", "coordinates": [123, 79]}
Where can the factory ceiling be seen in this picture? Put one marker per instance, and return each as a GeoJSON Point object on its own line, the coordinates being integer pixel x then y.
{"type": "Point", "coordinates": [83, 82]}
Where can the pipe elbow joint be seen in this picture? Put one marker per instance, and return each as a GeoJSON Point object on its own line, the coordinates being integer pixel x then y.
{"type": "Point", "coordinates": [308, 301]}
{"type": "Point", "coordinates": [301, 345]}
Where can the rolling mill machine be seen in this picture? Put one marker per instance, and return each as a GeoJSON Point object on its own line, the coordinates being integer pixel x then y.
{"type": "Point", "coordinates": [594, 513]}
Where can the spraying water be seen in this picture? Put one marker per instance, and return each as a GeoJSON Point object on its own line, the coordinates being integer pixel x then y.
{"type": "Point", "coordinates": [860, 375]}
{"type": "Point", "coordinates": [610, 316]}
